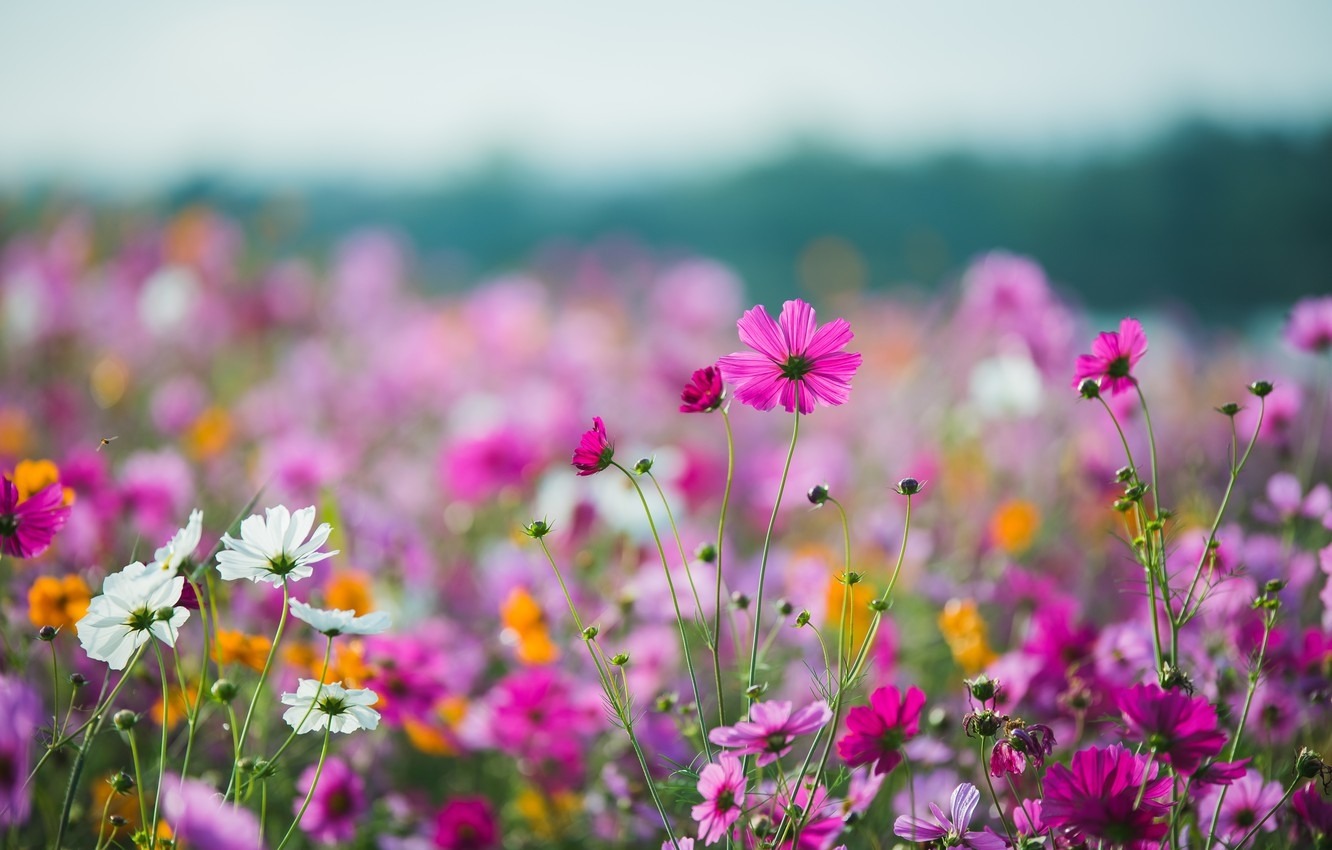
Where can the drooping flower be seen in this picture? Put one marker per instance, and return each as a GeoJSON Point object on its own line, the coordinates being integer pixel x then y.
{"type": "Point", "coordinates": [704, 392]}
{"type": "Point", "coordinates": [27, 526]}
{"type": "Point", "coordinates": [18, 731]}
{"type": "Point", "coordinates": [316, 706]}
{"type": "Point", "coordinates": [722, 785]}
{"type": "Point", "coordinates": [951, 829]}
{"type": "Point", "coordinates": [1096, 798]}
{"type": "Point", "coordinates": [273, 548]}
{"type": "Point", "coordinates": [1246, 802]}
{"type": "Point", "coordinates": [1114, 354]}
{"type": "Point", "coordinates": [466, 823]}
{"type": "Point", "coordinates": [1181, 729]}
{"type": "Point", "coordinates": [595, 452]}
{"type": "Point", "coordinates": [1022, 744]}
{"type": "Point", "coordinates": [1310, 325]}
{"type": "Point", "coordinates": [58, 602]}
{"type": "Point", "coordinates": [771, 729]}
{"type": "Point", "coordinates": [337, 804]}
{"type": "Point", "coordinates": [875, 733]}
{"type": "Point", "coordinates": [334, 621]}
{"type": "Point", "coordinates": [180, 548]}
{"type": "Point", "coordinates": [199, 817]}
{"type": "Point", "coordinates": [794, 361]}
{"type": "Point", "coordinates": [136, 604]}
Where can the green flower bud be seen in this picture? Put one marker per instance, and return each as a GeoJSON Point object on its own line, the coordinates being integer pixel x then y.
{"type": "Point", "coordinates": [125, 719]}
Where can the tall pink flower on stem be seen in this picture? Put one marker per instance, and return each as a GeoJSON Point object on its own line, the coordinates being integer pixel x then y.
{"type": "Point", "coordinates": [771, 728]}
{"type": "Point", "coordinates": [27, 526]}
{"type": "Point", "coordinates": [1114, 354]}
{"type": "Point", "coordinates": [723, 788]}
{"type": "Point", "coordinates": [595, 450]}
{"type": "Point", "coordinates": [876, 732]}
{"type": "Point", "coordinates": [1109, 795]}
{"type": "Point", "coordinates": [1181, 729]}
{"type": "Point", "coordinates": [795, 361]}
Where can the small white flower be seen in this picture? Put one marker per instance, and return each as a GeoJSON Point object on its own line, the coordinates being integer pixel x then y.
{"type": "Point", "coordinates": [181, 546]}
{"type": "Point", "coordinates": [136, 604]}
{"type": "Point", "coordinates": [273, 548]}
{"type": "Point", "coordinates": [338, 708]}
{"type": "Point", "coordinates": [335, 621]}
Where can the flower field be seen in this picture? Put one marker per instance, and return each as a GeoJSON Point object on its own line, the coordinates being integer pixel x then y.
{"type": "Point", "coordinates": [299, 552]}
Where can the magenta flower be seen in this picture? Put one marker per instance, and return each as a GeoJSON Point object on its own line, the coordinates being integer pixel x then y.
{"type": "Point", "coordinates": [1218, 773]}
{"type": "Point", "coordinates": [1247, 801]}
{"type": "Point", "coordinates": [1310, 325]}
{"type": "Point", "coordinates": [1093, 798]}
{"type": "Point", "coordinates": [27, 527]}
{"type": "Point", "coordinates": [950, 829]}
{"type": "Point", "coordinates": [595, 451]}
{"type": "Point", "coordinates": [794, 361]}
{"type": "Point", "coordinates": [337, 805]}
{"type": "Point", "coordinates": [18, 732]}
{"type": "Point", "coordinates": [1011, 753]}
{"type": "Point", "coordinates": [1112, 359]}
{"type": "Point", "coordinates": [704, 392]}
{"type": "Point", "coordinates": [1180, 728]}
{"type": "Point", "coordinates": [466, 823]}
{"type": "Point", "coordinates": [876, 733]}
{"type": "Point", "coordinates": [770, 729]}
{"type": "Point", "coordinates": [1313, 814]}
{"type": "Point", "coordinates": [723, 788]}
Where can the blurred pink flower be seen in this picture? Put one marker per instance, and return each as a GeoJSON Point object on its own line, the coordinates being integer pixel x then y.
{"type": "Point", "coordinates": [1114, 354]}
{"type": "Point", "coordinates": [1310, 325]}
{"type": "Point", "coordinates": [337, 805]}
{"type": "Point", "coordinates": [466, 823]}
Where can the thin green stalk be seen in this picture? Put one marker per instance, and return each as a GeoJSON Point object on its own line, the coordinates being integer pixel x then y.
{"type": "Point", "coordinates": [684, 559]}
{"type": "Point", "coordinates": [1290, 791]}
{"type": "Point", "coordinates": [166, 728]}
{"type": "Point", "coordinates": [323, 674]}
{"type": "Point", "coordinates": [138, 777]}
{"type": "Point", "coordinates": [1315, 436]}
{"type": "Point", "coordinates": [984, 762]}
{"type": "Point", "coordinates": [751, 691]}
{"type": "Point", "coordinates": [309, 795]}
{"type": "Point", "coordinates": [259, 685]}
{"type": "Point", "coordinates": [721, 530]}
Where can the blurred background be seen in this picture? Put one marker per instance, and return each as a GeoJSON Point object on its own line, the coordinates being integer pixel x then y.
{"type": "Point", "coordinates": [1174, 154]}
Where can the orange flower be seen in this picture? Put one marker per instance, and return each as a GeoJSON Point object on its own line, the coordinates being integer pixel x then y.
{"type": "Point", "coordinates": [437, 738]}
{"type": "Point", "coordinates": [32, 476]}
{"type": "Point", "coordinates": [964, 630]}
{"type": "Point", "coordinates": [525, 625]}
{"type": "Point", "coordinates": [350, 591]}
{"type": "Point", "coordinates": [209, 434]}
{"type": "Point", "coordinates": [15, 432]}
{"type": "Point", "coordinates": [858, 610]}
{"type": "Point", "coordinates": [58, 602]}
{"type": "Point", "coordinates": [250, 650]}
{"type": "Point", "coordinates": [181, 698]}
{"type": "Point", "coordinates": [1014, 526]}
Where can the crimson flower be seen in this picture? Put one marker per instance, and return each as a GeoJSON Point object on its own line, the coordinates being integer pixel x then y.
{"type": "Point", "coordinates": [1096, 798]}
{"type": "Point", "coordinates": [794, 361]}
{"type": "Point", "coordinates": [704, 392]}
{"type": "Point", "coordinates": [595, 451]}
{"type": "Point", "coordinates": [27, 526]}
{"type": "Point", "coordinates": [876, 733]}
{"type": "Point", "coordinates": [1180, 728]}
{"type": "Point", "coordinates": [1114, 354]}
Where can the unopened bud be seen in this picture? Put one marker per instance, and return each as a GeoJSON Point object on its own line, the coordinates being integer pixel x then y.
{"type": "Point", "coordinates": [644, 466]}
{"type": "Point", "coordinates": [620, 659]}
{"type": "Point", "coordinates": [125, 719]}
{"type": "Point", "coordinates": [818, 494]}
{"type": "Point", "coordinates": [755, 691]}
{"type": "Point", "coordinates": [117, 821]}
{"type": "Point", "coordinates": [1124, 474]}
{"type": "Point", "coordinates": [784, 608]}
{"type": "Point", "coordinates": [1230, 408]}
{"type": "Point", "coordinates": [224, 690]}
{"type": "Point", "coordinates": [739, 601]}
{"type": "Point", "coordinates": [1089, 389]}
{"type": "Point", "coordinates": [165, 613]}
{"type": "Point", "coordinates": [982, 687]}
{"type": "Point", "coordinates": [1276, 585]}
{"type": "Point", "coordinates": [1309, 764]}
{"type": "Point", "coordinates": [802, 619]}
{"type": "Point", "coordinates": [1261, 388]}
{"type": "Point", "coordinates": [47, 633]}
{"type": "Point", "coordinates": [536, 529]}
{"type": "Point", "coordinates": [706, 553]}
{"type": "Point", "coordinates": [878, 605]}
{"type": "Point", "coordinates": [77, 680]}
{"type": "Point", "coordinates": [591, 632]}
{"type": "Point", "coordinates": [121, 783]}
{"type": "Point", "coordinates": [908, 487]}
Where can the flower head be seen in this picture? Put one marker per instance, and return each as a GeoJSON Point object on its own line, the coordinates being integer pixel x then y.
{"type": "Point", "coordinates": [335, 621]}
{"type": "Point", "coordinates": [315, 706]}
{"type": "Point", "coordinates": [180, 548]}
{"type": "Point", "coordinates": [337, 804]}
{"type": "Point", "coordinates": [876, 732]}
{"type": "Point", "coordinates": [28, 525]}
{"type": "Point", "coordinates": [723, 788]}
{"type": "Point", "coordinates": [1096, 798]}
{"type": "Point", "coordinates": [1310, 325]}
{"type": "Point", "coordinates": [1180, 728]}
{"type": "Point", "coordinates": [794, 361]}
{"type": "Point", "coordinates": [951, 829]}
{"type": "Point", "coordinates": [771, 729]}
{"type": "Point", "coordinates": [466, 823]}
{"type": "Point", "coordinates": [704, 392]}
{"type": "Point", "coordinates": [58, 602]}
{"type": "Point", "coordinates": [199, 817]}
{"type": "Point", "coordinates": [273, 548]}
{"type": "Point", "coordinates": [18, 732]}
{"type": "Point", "coordinates": [137, 603]}
{"type": "Point", "coordinates": [1247, 801]}
{"type": "Point", "coordinates": [1114, 354]}
{"type": "Point", "coordinates": [595, 452]}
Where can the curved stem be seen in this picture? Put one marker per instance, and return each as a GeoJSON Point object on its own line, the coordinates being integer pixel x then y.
{"type": "Point", "coordinates": [750, 691]}
{"type": "Point", "coordinates": [323, 674]}
{"type": "Point", "coordinates": [259, 685]}
{"type": "Point", "coordinates": [166, 729]}
{"type": "Point", "coordinates": [721, 531]}
{"type": "Point", "coordinates": [309, 795]}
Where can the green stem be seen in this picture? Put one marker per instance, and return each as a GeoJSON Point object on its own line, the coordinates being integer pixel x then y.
{"type": "Point", "coordinates": [684, 559]}
{"type": "Point", "coordinates": [259, 685]}
{"type": "Point", "coordinates": [309, 795]}
{"type": "Point", "coordinates": [138, 777]}
{"type": "Point", "coordinates": [166, 728]}
{"type": "Point", "coordinates": [323, 674]}
{"type": "Point", "coordinates": [985, 771]}
{"type": "Point", "coordinates": [751, 691]}
{"type": "Point", "coordinates": [721, 530]}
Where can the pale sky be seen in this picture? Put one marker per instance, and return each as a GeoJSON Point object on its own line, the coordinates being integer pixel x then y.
{"type": "Point", "coordinates": [140, 93]}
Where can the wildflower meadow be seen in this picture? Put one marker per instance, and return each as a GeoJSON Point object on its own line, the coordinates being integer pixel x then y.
{"type": "Point", "coordinates": [299, 551]}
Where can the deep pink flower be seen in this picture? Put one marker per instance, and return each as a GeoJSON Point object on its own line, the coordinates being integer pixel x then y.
{"type": "Point", "coordinates": [466, 823]}
{"type": "Point", "coordinates": [1218, 773]}
{"type": "Point", "coordinates": [950, 829]}
{"type": "Point", "coordinates": [1246, 802]}
{"type": "Point", "coordinates": [1093, 798]}
{"type": "Point", "coordinates": [795, 361]}
{"type": "Point", "coordinates": [876, 733]}
{"type": "Point", "coordinates": [723, 788]}
{"type": "Point", "coordinates": [1112, 359]}
{"type": "Point", "coordinates": [595, 451]}
{"type": "Point", "coordinates": [704, 392]}
{"type": "Point", "coordinates": [770, 729]}
{"type": "Point", "coordinates": [1313, 813]}
{"type": "Point", "coordinates": [1011, 753]}
{"type": "Point", "coordinates": [1180, 728]}
{"type": "Point", "coordinates": [1310, 325]}
{"type": "Point", "coordinates": [337, 805]}
{"type": "Point", "coordinates": [27, 527]}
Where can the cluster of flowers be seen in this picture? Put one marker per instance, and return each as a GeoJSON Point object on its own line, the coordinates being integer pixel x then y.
{"type": "Point", "coordinates": [686, 587]}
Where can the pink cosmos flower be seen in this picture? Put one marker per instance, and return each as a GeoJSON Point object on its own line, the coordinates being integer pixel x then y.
{"type": "Point", "coordinates": [950, 829]}
{"type": "Point", "coordinates": [1180, 728]}
{"type": "Point", "coordinates": [1247, 802]}
{"type": "Point", "coordinates": [27, 527]}
{"type": "Point", "coordinates": [337, 805]}
{"type": "Point", "coordinates": [466, 823]}
{"type": "Point", "coordinates": [723, 788]}
{"type": "Point", "coordinates": [1093, 799]}
{"type": "Point", "coordinates": [704, 392]}
{"type": "Point", "coordinates": [595, 451]}
{"type": "Point", "coordinates": [200, 818]}
{"type": "Point", "coordinates": [1310, 325]}
{"type": "Point", "coordinates": [876, 733]}
{"type": "Point", "coordinates": [1218, 773]}
{"type": "Point", "coordinates": [770, 729]}
{"type": "Point", "coordinates": [794, 361]}
{"type": "Point", "coordinates": [1112, 359]}
{"type": "Point", "coordinates": [1313, 814]}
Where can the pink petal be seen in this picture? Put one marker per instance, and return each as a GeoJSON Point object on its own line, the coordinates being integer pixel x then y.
{"type": "Point", "coordinates": [760, 332]}
{"type": "Point", "coordinates": [830, 338]}
{"type": "Point", "coordinates": [798, 325]}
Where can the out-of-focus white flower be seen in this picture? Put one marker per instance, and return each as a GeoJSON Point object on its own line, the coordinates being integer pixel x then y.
{"type": "Point", "coordinates": [1006, 385]}
{"type": "Point", "coordinates": [273, 548]}
{"type": "Point", "coordinates": [137, 603]}
{"type": "Point", "coordinates": [315, 706]}
{"type": "Point", "coordinates": [335, 621]}
{"type": "Point", "coordinates": [181, 546]}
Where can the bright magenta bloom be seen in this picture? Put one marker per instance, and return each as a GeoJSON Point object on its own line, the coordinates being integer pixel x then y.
{"type": "Point", "coordinates": [770, 729]}
{"type": "Point", "coordinates": [27, 527]}
{"type": "Point", "coordinates": [1093, 799]}
{"type": "Point", "coordinates": [876, 733]}
{"type": "Point", "coordinates": [951, 829]}
{"type": "Point", "coordinates": [1112, 359]}
{"type": "Point", "coordinates": [595, 451]}
{"type": "Point", "coordinates": [794, 361]}
{"type": "Point", "coordinates": [723, 788]}
{"type": "Point", "coordinates": [338, 803]}
{"type": "Point", "coordinates": [704, 392]}
{"type": "Point", "coordinates": [466, 823]}
{"type": "Point", "coordinates": [1310, 325]}
{"type": "Point", "coordinates": [1182, 729]}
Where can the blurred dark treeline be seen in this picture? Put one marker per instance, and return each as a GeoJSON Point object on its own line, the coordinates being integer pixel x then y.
{"type": "Point", "coordinates": [1223, 220]}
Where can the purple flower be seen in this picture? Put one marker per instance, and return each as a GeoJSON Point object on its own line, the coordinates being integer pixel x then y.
{"type": "Point", "coordinates": [950, 829]}
{"type": "Point", "coordinates": [875, 733]}
{"type": "Point", "coordinates": [28, 526]}
{"type": "Point", "coordinates": [1181, 729]}
{"type": "Point", "coordinates": [1310, 325]}
{"type": "Point", "coordinates": [1246, 802]}
{"type": "Point", "coordinates": [1313, 813]}
{"type": "Point", "coordinates": [595, 451]}
{"type": "Point", "coordinates": [1112, 359]}
{"type": "Point", "coordinates": [1010, 754]}
{"type": "Point", "coordinates": [1094, 798]}
{"type": "Point", "coordinates": [770, 729]}
{"type": "Point", "coordinates": [18, 728]}
{"type": "Point", "coordinates": [338, 802]}
{"type": "Point", "coordinates": [200, 818]}
{"type": "Point", "coordinates": [723, 788]}
{"type": "Point", "coordinates": [795, 361]}
{"type": "Point", "coordinates": [1218, 773]}
{"type": "Point", "coordinates": [704, 392]}
{"type": "Point", "coordinates": [466, 823]}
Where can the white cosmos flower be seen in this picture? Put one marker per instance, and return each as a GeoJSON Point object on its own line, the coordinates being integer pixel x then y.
{"type": "Point", "coordinates": [273, 548]}
{"type": "Point", "coordinates": [181, 546]}
{"type": "Point", "coordinates": [335, 621]}
{"type": "Point", "coordinates": [315, 706]}
{"type": "Point", "coordinates": [137, 603]}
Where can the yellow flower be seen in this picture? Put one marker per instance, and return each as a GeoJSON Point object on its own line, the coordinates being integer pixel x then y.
{"type": "Point", "coordinates": [525, 625]}
{"type": "Point", "coordinates": [179, 706]}
{"type": "Point", "coordinates": [33, 476]}
{"type": "Point", "coordinates": [250, 650]}
{"type": "Point", "coordinates": [964, 631]}
{"type": "Point", "coordinates": [15, 432]}
{"type": "Point", "coordinates": [59, 602]}
{"type": "Point", "coordinates": [547, 815]}
{"type": "Point", "coordinates": [209, 434]}
{"type": "Point", "coordinates": [1014, 526]}
{"type": "Point", "coordinates": [350, 591]}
